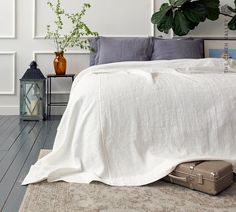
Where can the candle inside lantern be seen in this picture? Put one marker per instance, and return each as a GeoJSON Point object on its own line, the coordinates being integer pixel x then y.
{"type": "Point", "coordinates": [34, 108]}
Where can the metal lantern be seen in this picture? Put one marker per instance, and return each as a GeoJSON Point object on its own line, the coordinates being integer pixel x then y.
{"type": "Point", "coordinates": [32, 94]}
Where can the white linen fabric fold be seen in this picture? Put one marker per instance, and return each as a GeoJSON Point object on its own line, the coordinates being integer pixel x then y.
{"type": "Point", "coordinates": [131, 123]}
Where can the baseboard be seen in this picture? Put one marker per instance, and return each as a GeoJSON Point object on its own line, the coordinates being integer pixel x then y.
{"type": "Point", "coordinates": [15, 110]}
{"type": "Point", "coordinates": [9, 110]}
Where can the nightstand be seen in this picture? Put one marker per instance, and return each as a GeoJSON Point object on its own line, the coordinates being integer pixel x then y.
{"type": "Point", "coordinates": [49, 91]}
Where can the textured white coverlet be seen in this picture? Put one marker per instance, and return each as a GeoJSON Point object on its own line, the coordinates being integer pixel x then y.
{"type": "Point", "coordinates": [131, 123]}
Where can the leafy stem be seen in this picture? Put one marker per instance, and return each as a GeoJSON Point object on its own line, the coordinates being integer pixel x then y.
{"type": "Point", "coordinates": [79, 28]}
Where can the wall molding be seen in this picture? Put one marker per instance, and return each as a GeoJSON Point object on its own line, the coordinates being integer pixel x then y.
{"type": "Point", "coordinates": [34, 21]}
{"type": "Point", "coordinates": [152, 26]}
{"type": "Point", "coordinates": [153, 10]}
{"type": "Point", "coordinates": [35, 53]}
{"type": "Point", "coordinates": [13, 35]}
{"type": "Point", "coordinates": [12, 91]}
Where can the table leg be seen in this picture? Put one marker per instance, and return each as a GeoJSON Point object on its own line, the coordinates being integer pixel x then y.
{"type": "Point", "coordinates": [47, 96]}
{"type": "Point", "coordinates": [50, 95]}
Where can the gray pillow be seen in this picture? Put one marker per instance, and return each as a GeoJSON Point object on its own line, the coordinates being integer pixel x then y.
{"type": "Point", "coordinates": [177, 49]}
{"type": "Point", "coordinates": [93, 42]}
{"type": "Point", "coordinates": [123, 49]}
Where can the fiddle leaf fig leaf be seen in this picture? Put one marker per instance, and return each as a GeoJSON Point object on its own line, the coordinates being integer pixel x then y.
{"type": "Point", "coordinates": [181, 24]}
{"type": "Point", "coordinates": [195, 11]}
{"type": "Point", "coordinates": [157, 18]}
{"type": "Point", "coordinates": [180, 3]}
{"type": "Point", "coordinates": [213, 10]}
{"type": "Point", "coordinates": [211, 3]}
{"type": "Point", "coordinates": [172, 2]}
{"type": "Point", "coordinates": [213, 14]}
{"type": "Point", "coordinates": [167, 22]}
{"type": "Point", "coordinates": [164, 6]}
{"type": "Point", "coordinates": [232, 23]}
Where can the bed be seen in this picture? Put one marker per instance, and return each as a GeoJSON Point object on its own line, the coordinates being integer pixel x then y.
{"type": "Point", "coordinates": [131, 123]}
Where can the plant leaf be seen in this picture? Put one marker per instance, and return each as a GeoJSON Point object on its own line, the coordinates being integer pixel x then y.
{"type": "Point", "coordinates": [195, 11]}
{"type": "Point", "coordinates": [179, 3]}
{"type": "Point", "coordinates": [158, 16]}
{"type": "Point", "coordinates": [211, 3]}
{"type": "Point", "coordinates": [181, 24]}
{"type": "Point", "coordinates": [232, 23]}
{"type": "Point", "coordinates": [213, 13]}
{"type": "Point", "coordinates": [213, 10]}
{"type": "Point", "coordinates": [172, 2]}
{"type": "Point", "coordinates": [166, 23]}
{"type": "Point", "coordinates": [165, 6]}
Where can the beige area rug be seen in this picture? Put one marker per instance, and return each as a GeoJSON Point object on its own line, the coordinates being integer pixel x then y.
{"type": "Point", "coordinates": [159, 196]}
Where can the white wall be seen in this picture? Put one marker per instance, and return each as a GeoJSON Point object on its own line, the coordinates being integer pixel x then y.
{"type": "Point", "coordinates": [23, 24]}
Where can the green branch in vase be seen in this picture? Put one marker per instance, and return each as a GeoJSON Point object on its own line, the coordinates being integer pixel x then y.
{"type": "Point", "coordinates": [78, 31]}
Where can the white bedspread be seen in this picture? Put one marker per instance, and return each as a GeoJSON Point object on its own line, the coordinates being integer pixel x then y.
{"type": "Point", "coordinates": [131, 123]}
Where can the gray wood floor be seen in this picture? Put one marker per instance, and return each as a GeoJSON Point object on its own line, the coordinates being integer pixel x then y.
{"type": "Point", "coordinates": [20, 143]}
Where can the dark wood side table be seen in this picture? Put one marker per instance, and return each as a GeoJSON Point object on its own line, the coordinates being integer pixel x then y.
{"type": "Point", "coordinates": [49, 91]}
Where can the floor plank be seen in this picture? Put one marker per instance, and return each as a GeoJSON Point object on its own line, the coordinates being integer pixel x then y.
{"type": "Point", "coordinates": [50, 139]}
{"type": "Point", "coordinates": [8, 120]}
{"type": "Point", "coordinates": [11, 172]}
{"type": "Point", "coordinates": [3, 120]}
{"type": "Point", "coordinates": [8, 123]}
{"type": "Point", "coordinates": [11, 134]}
{"type": "Point", "coordinates": [2, 154]}
{"type": "Point", "coordinates": [16, 195]}
{"type": "Point", "coordinates": [20, 144]}
{"type": "Point", "coordinates": [12, 153]}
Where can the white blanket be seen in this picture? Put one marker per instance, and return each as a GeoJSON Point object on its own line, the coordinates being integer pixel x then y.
{"type": "Point", "coordinates": [131, 123]}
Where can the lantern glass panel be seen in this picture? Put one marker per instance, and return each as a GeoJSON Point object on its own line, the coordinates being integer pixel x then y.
{"type": "Point", "coordinates": [33, 95]}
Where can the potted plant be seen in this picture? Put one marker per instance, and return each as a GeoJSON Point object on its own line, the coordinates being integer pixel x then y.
{"type": "Point", "coordinates": [184, 15]}
{"type": "Point", "coordinates": [74, 38]}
